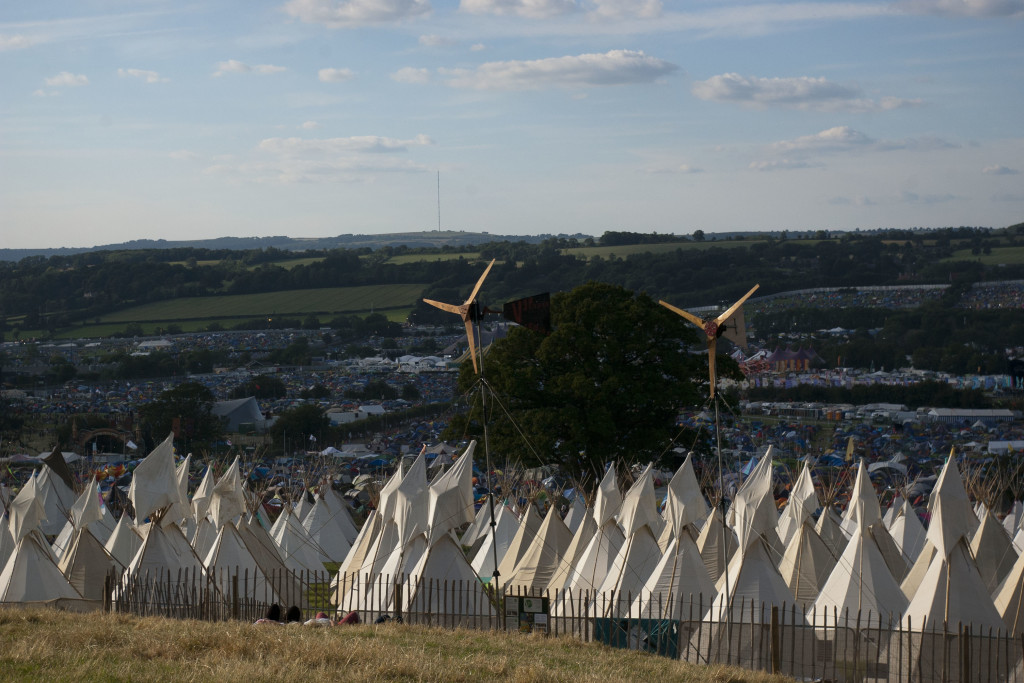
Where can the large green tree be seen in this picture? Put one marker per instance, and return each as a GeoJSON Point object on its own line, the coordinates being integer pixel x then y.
{"type": "Point", "coordinates": [294, 426]}
{"type": "Point", "coordinates": [606, 384]}
{"type": "Point", "coordinates": [188, 408]}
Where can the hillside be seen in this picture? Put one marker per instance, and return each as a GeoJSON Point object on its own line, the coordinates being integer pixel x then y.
{"type": "Point", "coordinates": [47, 645]}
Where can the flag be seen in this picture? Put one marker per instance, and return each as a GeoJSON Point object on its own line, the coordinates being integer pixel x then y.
{"type": "Point", "coordinates": [533, 312]}
{"type": "Point", "coordinates": [849, 450]}
{"type": "Point", "coordinates": [131, 445]}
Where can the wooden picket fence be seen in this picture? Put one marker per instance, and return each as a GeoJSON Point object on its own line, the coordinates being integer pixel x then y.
{"type": "Point", "coordinates": [814, 646]}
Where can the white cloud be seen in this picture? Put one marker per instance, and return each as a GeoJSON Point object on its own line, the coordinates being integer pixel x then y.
{"type": "Point", "coordinates": [803, 92]}
{"type": "Point", "coordinates": [294, 160]}
{"type": "Point", "coordinates": [681, 169]}
{"type": "Point", "coordinates": [411, 74]}
{"type": "Point", "coordinates": [233, 66]}
{"type": "Point", "coordinates": [66, 79]}
{"type": "Point", "coordinates": [332, 146]}
{"type": "Point", "coordinates": [970, 8]}
{"type": "Point", "coordinates": [331, 75]}
{"type": "Point", "coordinates": [782, 165]}
{"type": "Point", "coordinates": [477, 47]}
{"type": "Point", "coordinates": [617, 9]}
{"type": "Point", "coordinates": [15, 42]}
{"type": "Point", "coordinates": [617, 67]}
{"type": "Point", "coordinates": [147, 76]}
{"type": "Point", "coordinates": [309, 125]}
{"type": "Point", "coordinates": [45, 93]}
{"type": "Point", "coordinates": [531, 9]}
{"type": "Point", "coordinates": [434, 40]}
{"type": "Point", "coordinates": [999, 170]}
{"type": "Point", "coordinates": [346, 13]}
{"type": "Point", "coordinates": [834, 139]}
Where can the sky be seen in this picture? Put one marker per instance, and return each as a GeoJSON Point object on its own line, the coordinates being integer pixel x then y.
{"type": "Point", "coordinates": [179, 120]}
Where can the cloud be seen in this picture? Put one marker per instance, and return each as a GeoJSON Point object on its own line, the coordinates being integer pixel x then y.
{"type": "Point", "coordinates": [544, 9]}
{"type": "Point", "coordinates": [411, 74]}
{"type": "Point", "coordinates": [914, 198]}
{"type": "Point", "coordinates": [15, 42]}
{"type": "Point", "coordinates": [309, 125]}
{"type": "Point", "coordinates": [331, 75]}
{"type": "Point", "coordinates": [302, 160]}
{"type": "Point", "coordinates": [617, 9]}
{"type": "Point", "coordinates": [803, 92]}
{"type": "Point", "coordinates": [332, 146]}
{"type": "Point", "coordinates": [960, 8]}
{"type": "Point", "coordinates": [233, 66]}
{"type": "Point", "coordinates": [477, 47]}
{"type": "Point", "coordinates": [45, 93]}
{"type": "Point", "coordinates": [617, 67]}
{"type": "Point", "coordinates": [347, 13]}
{"type": "Point", "coordinates": [999, 170]}
{"type": "Point", "coordinates": [66, 79]}
{"type": "Point", "coordinates": [782, 165]}
{"type": "Point", "coordinates": [530, 9]}
{"type": "Point", "coordinates": [147, 76]}
{"type": "Point", "coordinates": [681, 169]}
{"type": "Point", "coordinates": [845, 139]}
{"type": "Point", "coordinates": [433, 40]}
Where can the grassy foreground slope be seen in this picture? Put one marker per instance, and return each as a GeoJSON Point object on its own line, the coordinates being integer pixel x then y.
{"type": "Point", "coordinates": [59, 646]}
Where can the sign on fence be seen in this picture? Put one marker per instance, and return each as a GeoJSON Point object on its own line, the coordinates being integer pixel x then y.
{"type": "Point", "coordinates": [527, 614]}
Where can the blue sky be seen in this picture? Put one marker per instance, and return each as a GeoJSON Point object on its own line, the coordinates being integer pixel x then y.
{"type": "Point", "coordinates": [150, 119]}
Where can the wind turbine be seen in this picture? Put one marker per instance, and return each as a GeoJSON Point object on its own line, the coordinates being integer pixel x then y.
{"type": "Point", "coordinates": [467, 312]}
{"type": "Point", "coordinates": [713, 329]}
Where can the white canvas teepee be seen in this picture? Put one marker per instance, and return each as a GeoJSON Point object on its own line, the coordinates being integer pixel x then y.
{"type": "Point", "coordinates": [296, 547]}
{"type": "Point", "coordinates": [450, 497]}
{"type": "Point", "coordinates": [57, 499]}
{"type": "Point", "coordinates": [806, 564]}
{"type": "Point", "coordinates": [529, 525]}
{"type": "Point", "coordinates": [860, 588]}
{"type": "Point", "coordinates": [577, 511]}
{"type": "Point", "coordinates": [751, 577]}
{"type": "Point", "coordinates": [678, 586]}
{"type": "Point", "coordinates": [496, 543]}
{"type": "Point", "coordinates": [907, 532]}
{"type": "Point", "coordinates": [227, 501]}
{"type": "Point", "coordinates": [803, 501]}
{"type": "Point", "coordinates": [86, 565]}
{"type": "Point", "coordinates": [580, 539]}
{"type": "Point", "coordinates": [443, 564]}
{"type": "Point", "coordinates": [685, 507]}
{"type": "Point", "coordinates": [540, 561]}
{"type": "Point", "coordinates": [30, 574]}
{"type": "Point", "coordinates": [322, 524]}
{"type": "Point", "coordinates": [154, 484]}
{"type": "Point", "coordinates": [1009, 598]}
{"type": "Point", "coordinates": [262, 575]}
{"type": "Point", "coordinates": [124, 542]}
{"type": "Point", "coordinates": [717, 544]}
{"type": "Point", "coordinates": [952, 591]}
{"type": "Point", "coordinates": [993, 552]}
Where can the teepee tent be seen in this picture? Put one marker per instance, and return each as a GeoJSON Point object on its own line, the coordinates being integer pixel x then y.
{"type": "Point", "coordinates": [450, 497]}
{"type": "Point", "coordinates": [125, 542]}
{"type": "Point", "coordinates": [678, 585]}
{"type": "Point", "coordinates": [57, 499]}
{"type": "Point", "coordinates": [717, 544]}
{"type": "Point", "coordinates": [154, 484]}
{"type": "Point", "coordinates": [86, 564]}
{"type": "Point", "coordinates": [952, 591]}
{"type": "Point", "coordinates": [538, 564]}
{"type": "Point", "coordinates": [30, 574]}
{"type": "Point", "coordinates": [803, 501]}
{"type": "Point", "coordinates": [806, 564]}
{"type": "Point", "coordinates": [993, 552]}
{"type": "Point", "coordinates": [907, 532]}
{"type": "Point", "coordinates": [528, 527]}
{"type": "Point", "coordinates": [580, 539]}
{"type": "Point", "coordinates": [322, 523]}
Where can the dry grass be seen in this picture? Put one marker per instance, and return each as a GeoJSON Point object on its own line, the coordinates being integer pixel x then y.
{"type": "Point", "coordinates": [60, 646]}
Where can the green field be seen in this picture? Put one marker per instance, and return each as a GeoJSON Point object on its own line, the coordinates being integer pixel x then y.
{"type": "Point", "coordinates": [416, 258]}
{"type": "Point", "coordinates": [287, 303]}
{"type": "Point", "coordinates": [661, 248]}
{"type": "Point", "coordinates": [1011, 256]}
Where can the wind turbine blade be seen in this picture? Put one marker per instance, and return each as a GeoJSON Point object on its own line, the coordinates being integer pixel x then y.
{"type": "Point", "coordinates": [480, 282]}
{"type": "Point", "coordinates": [732, 309]}
{"type": "Point", "coordinates": [711, 364]}
{"type": "Point", "coordinates": [472, 345]}
{"type": "Point", "coordinates": [689, 316]}
{"type": "Point", "coordinates": [451, 308]}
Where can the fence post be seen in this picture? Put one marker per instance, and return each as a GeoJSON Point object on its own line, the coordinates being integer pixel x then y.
{"type": "Point", "coordinates": [108, 586]}
{"type": "Point", "coordinates": [773, 634]}
{"type": "Point", "coordinates": [234, 595]}
{"type": "Point", "coordinates": [398, 601]}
